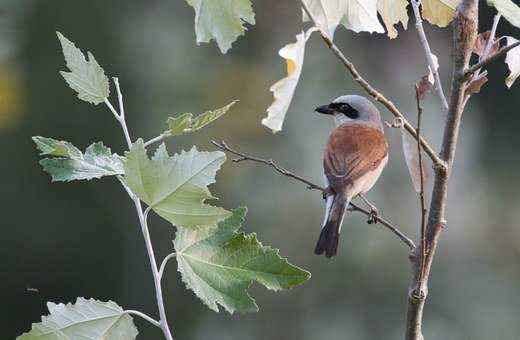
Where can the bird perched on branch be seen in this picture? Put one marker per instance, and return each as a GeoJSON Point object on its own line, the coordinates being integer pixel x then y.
{"type": "Point", "coordinates": [355, 155]}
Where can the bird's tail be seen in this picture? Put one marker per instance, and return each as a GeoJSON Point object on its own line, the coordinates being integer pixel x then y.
{"type": "Point", "coordinates": [329, 236]}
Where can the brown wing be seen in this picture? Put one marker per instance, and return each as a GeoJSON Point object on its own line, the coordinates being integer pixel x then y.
{"type": "Point", "coordinates": [352, 151]}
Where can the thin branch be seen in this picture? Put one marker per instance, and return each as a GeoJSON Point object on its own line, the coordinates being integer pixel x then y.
{"type": "Point", "coordinates": [144, 316]}
{"type": "Point", "coordinates": [500, 53]}
{"type": "Point", "coordinates": [163, 323]}
{"type": "Point", "coordinates": [487, 48]}
{"type": "Point", "coordinates": [428, 52]}
{"type": "Point", "coordinates": [164, 263]}
{"type": "Point", "coordinates": [121, 115]}
{"type": "Point", "coordinates": [163, 136]}
{"type": "Point", "coordinates": [111, 108]}
{"type": "Point", "coordinates": [390, 106]}
{"type": "Point", "coordinates": [310, 185]}
{"type": "Point", "coordinates": [421, 193]}
{"type": "Point", "coordinates": [492, 35]}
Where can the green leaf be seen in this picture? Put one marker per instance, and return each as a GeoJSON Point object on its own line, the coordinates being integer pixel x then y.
{"type": "Point", "coordinates": [209, 116]}
{"type": "Point", "coordinates": [178, 125]}
{"type": "Point", "coordinates": [185, 122]}
{"type": "Point", "coordinates": [176, 187]}
{"type": "Point", "coordinates": [222, 20]}
{"type": "Point", "coordinates": [86, 319]}
{"type": "Point", "coordinates": [220, 264]}
{"type": "Point", "coordinates": [71, 164]}
{"type": "Point", "coordinates": [53, 147]}
{"type": "Point", "coordinates": [86, 77]}
{"type": "Point", "coordinates": [508, 9]}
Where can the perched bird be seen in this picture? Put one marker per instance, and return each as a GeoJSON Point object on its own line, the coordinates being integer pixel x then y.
{"type": "Point", "coordinates": [355, 155]}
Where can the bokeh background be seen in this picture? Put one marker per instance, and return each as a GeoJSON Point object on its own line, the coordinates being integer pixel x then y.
{"type": "Point", "coordinates": [82, 238]}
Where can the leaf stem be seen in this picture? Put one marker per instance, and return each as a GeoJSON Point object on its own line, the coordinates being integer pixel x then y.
{"type": "Point", "coordinates": [158, 139]}
{"type": "Point", "coordinates": [145, 317]}
{"type": "Point", "coordinates": [164, 263]}
{"type": "Point", "coordinates": [143, 220]}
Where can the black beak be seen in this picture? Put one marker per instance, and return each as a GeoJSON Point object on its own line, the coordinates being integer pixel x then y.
{"type": "Point", "coordinates": [325, 109]}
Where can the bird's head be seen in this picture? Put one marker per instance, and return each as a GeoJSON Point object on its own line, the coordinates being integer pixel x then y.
{"type": "Point", "coordinates": [352, 108]}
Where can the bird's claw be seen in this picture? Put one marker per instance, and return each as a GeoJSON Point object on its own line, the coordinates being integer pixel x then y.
{"type": "Point", "coordinates": [327, 192]}
{"type": "Point", "coordinates": [373, 216]}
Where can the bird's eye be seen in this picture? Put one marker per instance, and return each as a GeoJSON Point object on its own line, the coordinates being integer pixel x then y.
{"type": "Point", "coordinates": [349, 111]}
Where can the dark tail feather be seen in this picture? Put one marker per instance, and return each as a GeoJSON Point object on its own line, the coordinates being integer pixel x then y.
{"type": "Point", "coordinates": [329, 236]}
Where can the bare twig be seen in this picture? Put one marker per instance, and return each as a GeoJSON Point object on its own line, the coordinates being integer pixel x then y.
{"type": "Point", "coordinates": [310, 185]}
{"type": "Point", "coordinates": [378, 96]}
{"type": "Point", "coordinates": [464, 34]}
{"type": "Point", "coordinates": [429, 56]}
{"type": "Point", "coordinates": [492, 35]}
{"type": "Point", "coordinates": [421, 193]}
{"type": "Point", "coordinates": [474, 68]}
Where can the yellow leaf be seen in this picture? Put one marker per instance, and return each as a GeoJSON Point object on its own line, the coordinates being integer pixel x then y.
{"type": "Point", "coordinates": [393, 12]}
{"type": "Point", "coordinates": [439, 12]}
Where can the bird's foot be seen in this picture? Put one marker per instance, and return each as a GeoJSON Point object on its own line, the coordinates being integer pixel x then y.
{"type": "Point", "coordinates": [373, 216]}
{"type": "Point", "coordinates": [327, 192]}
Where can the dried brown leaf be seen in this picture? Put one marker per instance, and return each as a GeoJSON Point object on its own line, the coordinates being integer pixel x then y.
{"type": "Point", "coordinates": [480, 44]}
{"type": "Point", "coordinates": [475, 85]}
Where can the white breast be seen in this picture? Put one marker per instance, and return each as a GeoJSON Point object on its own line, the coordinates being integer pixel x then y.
{"type": "Point", "coordinates": [364, 183]}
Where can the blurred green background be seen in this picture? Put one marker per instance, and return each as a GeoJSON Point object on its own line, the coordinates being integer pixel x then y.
{"type": "Point", "coordinates": [82, 239]}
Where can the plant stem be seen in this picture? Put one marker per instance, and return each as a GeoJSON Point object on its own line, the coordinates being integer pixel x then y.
{"type": "Point", "coordinates": [164, 263]}
{"type": "Point", "coordinates": [157, 139]}
{"type": "Point", "coordinates": [144, 316]}
{"type": "Point", "coordinates": [143, 220]}
{"type": "Point", "coordinates": [421, 192]}
{"type": "Point", "coordinates": [492, 58]}
{"type": "Point", "coordinates": [428, 52]}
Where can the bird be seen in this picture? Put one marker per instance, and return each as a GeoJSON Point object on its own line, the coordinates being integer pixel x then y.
{"type": "Point", "coordinates": [354, 158]}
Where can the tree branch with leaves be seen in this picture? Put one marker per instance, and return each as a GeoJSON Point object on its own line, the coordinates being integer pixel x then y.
{"type": "Point", "coordinates": [216, 260]}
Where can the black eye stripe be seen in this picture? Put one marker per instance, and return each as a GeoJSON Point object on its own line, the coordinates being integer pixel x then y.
{"type": "Point", "coordinates": [346, 109]}
{"type": "Point", "coordinates": [335, 106]}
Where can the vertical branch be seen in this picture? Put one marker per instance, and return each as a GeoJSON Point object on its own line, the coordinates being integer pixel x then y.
{"type": "Point", "coordinates": [143, 219]}
{"type": "Point", "coordinates": [421, 193]}
{"type": "Point", "coordinates": [464, 34]}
